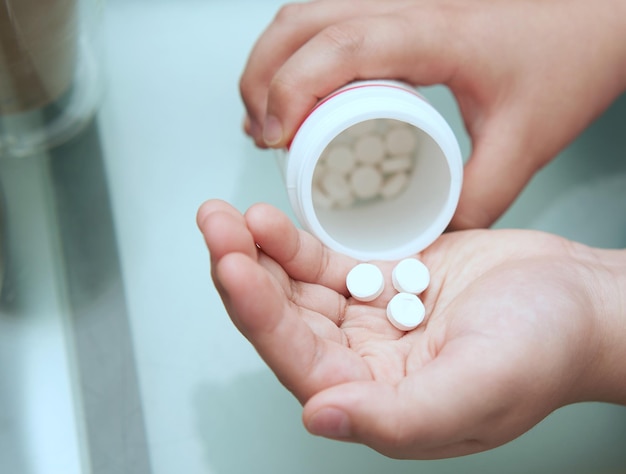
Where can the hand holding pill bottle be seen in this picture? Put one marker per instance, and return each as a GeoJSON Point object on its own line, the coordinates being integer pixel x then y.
{"type": "Point", "coordinates": [523, 91]}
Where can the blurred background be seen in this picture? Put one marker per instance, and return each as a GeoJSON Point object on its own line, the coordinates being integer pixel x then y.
{"type": "Point", "coordinates": [116, 355]}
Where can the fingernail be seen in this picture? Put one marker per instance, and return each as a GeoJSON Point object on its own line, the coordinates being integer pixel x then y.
{"type": "Point", "coordinates": [330, 423]}
{"type": "Point", "coordinates": [273, 131]}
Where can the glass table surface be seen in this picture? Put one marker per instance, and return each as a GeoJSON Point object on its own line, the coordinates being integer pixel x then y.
{"type": "Point", "coordinates": [116, 355]}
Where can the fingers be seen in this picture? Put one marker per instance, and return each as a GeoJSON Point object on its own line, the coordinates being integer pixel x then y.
{"type": "Point", "coordinates": [278, 329]}
{"type": "Point", "coordinates": [384, 47]}
{"type": "Point", "coordinates": [294, 25]}
{"type": "Point", "coordinates": [270, 309]}
{"type": "Point", "coordinates": [379, 40]}
{"type": "Point", "coordinates": [303, 257]}
{"type": "Point", "coordinates": [224, 230]}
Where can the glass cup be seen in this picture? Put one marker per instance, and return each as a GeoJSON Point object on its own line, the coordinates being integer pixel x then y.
{"type": "Point", "coordinates": [49, 87]}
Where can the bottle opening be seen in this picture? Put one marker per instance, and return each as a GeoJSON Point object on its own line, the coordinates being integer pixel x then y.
{"type": "Point", "coordinates": [380, 185]}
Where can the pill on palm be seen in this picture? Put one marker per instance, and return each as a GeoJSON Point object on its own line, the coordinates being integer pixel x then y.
{"type": "Point", "coordinates": [400, 140]}
{"type": "Point", "coordinates": [340, 158]}
{"type": "Point", "coordinates": [410, 276]}
{"type": "Point", "coordinates": [365, 282]}
{"type": "Point", "coordinates": [369, 149]}
{"type": "Point", "coordinates": [405, 311]}
{"type": "Point", "coordinates": [366, 182]}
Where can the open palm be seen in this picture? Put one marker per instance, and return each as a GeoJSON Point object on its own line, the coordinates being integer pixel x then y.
{"type": "Point", "coordinates": [508, 334]}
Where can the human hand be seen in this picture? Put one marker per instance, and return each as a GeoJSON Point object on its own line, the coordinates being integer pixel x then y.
{"type": "Point", "coordinates": [528, 76]}
{"type": "Point", "coordinates": [518, 324]}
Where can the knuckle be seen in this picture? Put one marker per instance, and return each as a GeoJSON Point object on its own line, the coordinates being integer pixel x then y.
{"type": "Point", "coordinates": [344, 39]}
{"type": "Point", "coordinates": [289, 13]}
{"type": "Point", "coordinates": [281, 86]}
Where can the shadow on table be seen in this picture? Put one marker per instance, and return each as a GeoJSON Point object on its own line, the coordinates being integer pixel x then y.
{"type": "Point", "coordinates": [61, 257]}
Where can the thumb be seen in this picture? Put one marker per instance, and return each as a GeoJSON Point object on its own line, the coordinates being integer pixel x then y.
{"type": "Point", "coordinates": [417, 419]}
{"type": "Point", "coordinates": [447, 408]}
{"type": "Point", "coordinates": [366, 47]}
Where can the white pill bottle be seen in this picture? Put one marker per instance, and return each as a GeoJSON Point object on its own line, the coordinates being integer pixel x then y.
{"type": "Point", "coordinates": [382, 228]}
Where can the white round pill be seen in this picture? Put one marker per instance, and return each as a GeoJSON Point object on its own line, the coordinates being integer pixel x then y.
{"type": "Point", "coordinates": [340, 158]}
{"type": "Point", "coordinates": [365, 282]}
{"type": "Point", "coordinates": [410, 276]}
{"type": "Point", "coordinates": [336, 187]}
{"type": "Point", "coordinates": [405, 311]}
{"type": "Point", "coordinates": [366, 182]}
{"type": "Point", "coordinates": [394, 185]}
{"type": "Point", "coordinates": [393, 164]}
{"type": "Point", "coordinates": [320, 199]}
{"type": "Point", "coordinates": [400, 140]}
{"type": "Point", "coordinates": [369, 149]}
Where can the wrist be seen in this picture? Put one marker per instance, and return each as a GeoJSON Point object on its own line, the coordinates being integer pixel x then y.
{"type": "Point", "coordinates": [606, 377]}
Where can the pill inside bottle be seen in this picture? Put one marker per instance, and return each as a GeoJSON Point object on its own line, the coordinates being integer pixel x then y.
{"type": "Point", "coordinates": [370, 161]}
